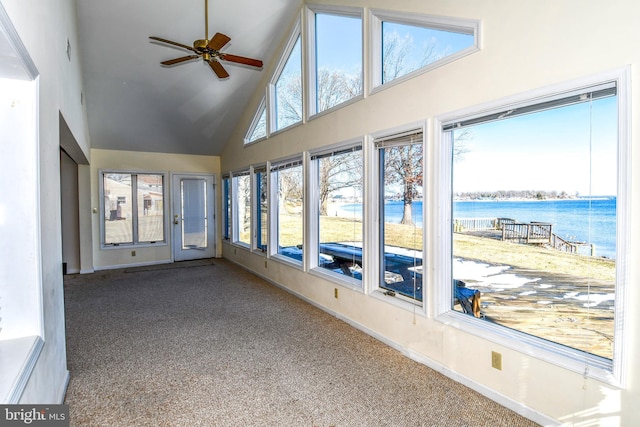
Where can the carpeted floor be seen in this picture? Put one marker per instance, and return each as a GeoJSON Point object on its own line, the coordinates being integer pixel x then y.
{"type": "Point", "coordinates": [209, 344]}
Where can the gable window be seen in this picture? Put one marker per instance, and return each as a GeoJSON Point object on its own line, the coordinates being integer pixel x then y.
{"type": "Point", "coordinates": [261, 206]}
{"type": "Point", "coordinates": [287, 186]}
{"type": "Point", "coordinates": [287, 88]}
{"type": "Point", "coordinates": [133, 208]}
{"type": "Point", "coordinates": [241, 190]}
{"type": "Point", "coordinates": [335, 46]}
{"type": "Point", "coordinates": [538, 215]}
{"type": "Point", "coordinates": [258, 128]}
{"type": "Point", "coordinates": [408, 44]}
{"type": "Point", "coordinates": [338, 200]}
{"type": "Point", "coordinates": [400, 177]}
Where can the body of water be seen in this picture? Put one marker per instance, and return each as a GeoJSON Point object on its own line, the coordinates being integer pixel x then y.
{"type": "Point", "coordinates": [585, 220]}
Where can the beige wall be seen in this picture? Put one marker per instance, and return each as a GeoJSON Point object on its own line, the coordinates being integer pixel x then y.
{"type": "Point", "coordinates": [525, 45]}
{"type": "Point", "coordinates": [132, 161]}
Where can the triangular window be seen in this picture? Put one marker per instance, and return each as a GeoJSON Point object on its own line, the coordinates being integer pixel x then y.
{"type": "Point", "coordinates": [258, 128]}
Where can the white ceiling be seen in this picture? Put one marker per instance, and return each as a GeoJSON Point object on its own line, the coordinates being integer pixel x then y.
{"type": "Point", "coordinates": [134, 103]}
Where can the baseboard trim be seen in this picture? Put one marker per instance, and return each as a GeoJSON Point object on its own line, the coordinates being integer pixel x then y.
{"type": "Point", "coordinates": [489, 393]}
{"type": "Point", "coordinates": [137, 264]}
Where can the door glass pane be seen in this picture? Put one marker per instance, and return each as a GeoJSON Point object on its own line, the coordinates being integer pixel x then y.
{"type": "Point", "coordinates": [118, 224]}
{"type": "Point", "coordinates": [150, 208]}
{"type": "Point", "coordinates": [194, 213]}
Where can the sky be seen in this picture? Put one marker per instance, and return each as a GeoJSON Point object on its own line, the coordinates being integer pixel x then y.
{"type": "Point", "coordinates": [562, 149]}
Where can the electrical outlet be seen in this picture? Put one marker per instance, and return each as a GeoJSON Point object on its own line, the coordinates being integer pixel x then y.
{"type": "Point", "coordinates": [496, 360]}
{"type": "Point", "coordinates": [335, 292]}
{"type": "Point", "coordinates": [265, 263]}
{"type": "Point", "coordinates": [133, 253]}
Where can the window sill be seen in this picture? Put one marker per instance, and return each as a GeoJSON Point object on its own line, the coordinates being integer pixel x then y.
{"type": "Point", "coordinates": [399, 301]}
{"type": "Point", "coordinates": [337, 278]}
{"type": "Point", "coordinates": [574, 360]}
{"type": "Point", "coordinates": [132, 245]}
{"type": "Point", "coordinates": [18, 357]}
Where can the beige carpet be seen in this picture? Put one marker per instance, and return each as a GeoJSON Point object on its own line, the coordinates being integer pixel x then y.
{"type": "Point", "coordinates": [212, 345]}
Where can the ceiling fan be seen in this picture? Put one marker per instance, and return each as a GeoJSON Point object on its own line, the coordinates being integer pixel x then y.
{"type": "Point", "coordinates": [209, 50]}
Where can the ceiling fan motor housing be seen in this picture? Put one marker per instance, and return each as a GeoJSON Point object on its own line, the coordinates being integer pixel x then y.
{"type": "Point", "coordinates": [200, 44]}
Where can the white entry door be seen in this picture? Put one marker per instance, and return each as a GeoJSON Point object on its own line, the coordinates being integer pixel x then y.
{"type": "Point", "coordinates": [193, 219]}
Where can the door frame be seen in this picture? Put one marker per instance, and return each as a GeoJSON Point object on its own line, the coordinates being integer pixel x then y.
{"type": "Point", "coordinates": [212, 229]}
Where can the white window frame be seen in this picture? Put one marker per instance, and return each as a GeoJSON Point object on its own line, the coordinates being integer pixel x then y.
{"type": "Point", "coordinates": [311, 11]}
{"type": "Point", "coordinates": [254, 123]}
{"type": "Point", "coordinates": [378, 16]}
{"type": "Point", "coordinates": [373, 267]}
{"type": "Point", "coordinates": [572, 359]}
{"type": "Point", "coordinates": [313, 206]}
{"type": "Point", "coordinates": [255, 207]}
{"type": "Point", "coordinates": [235, 209]}
{"type": "Point", "coordinates": [272, 115]}
{"type": "Point", "coordinates": [274, 204]}
{"type": "Point", "coordinates": [134, 212]}
{"type": "Point", "coordinates": [226, 207]}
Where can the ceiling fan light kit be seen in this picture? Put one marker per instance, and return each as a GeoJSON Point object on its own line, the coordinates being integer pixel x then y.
{"type": "Point", "coordinates": [209, 50]}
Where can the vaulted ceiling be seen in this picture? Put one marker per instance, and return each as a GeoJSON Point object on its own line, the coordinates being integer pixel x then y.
{"type": "Point", "coordinates": [135, 103]}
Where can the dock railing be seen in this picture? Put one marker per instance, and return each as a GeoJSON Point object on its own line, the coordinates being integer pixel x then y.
{"type": "Point", "coordinates": [538, 233]}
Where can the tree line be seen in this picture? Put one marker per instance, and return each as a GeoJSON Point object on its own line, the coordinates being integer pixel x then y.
{"type": "Point", "coordinates": [515, 194]}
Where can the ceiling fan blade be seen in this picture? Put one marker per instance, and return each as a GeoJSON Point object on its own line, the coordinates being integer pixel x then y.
{"type": "Point", "coordinates": [218, 69]}
{"type": "Point", "coordinates": [241, 60]}
{"type": "Point", "coordinates": [184, 46]}
{"type": "Point", "coordinates": [179, 60]}
{"type": "Point", "coordinates": [218, 41]}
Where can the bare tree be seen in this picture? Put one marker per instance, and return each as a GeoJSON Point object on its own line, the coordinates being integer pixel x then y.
{"type": "Point", "coordinates": [336, 173]}
{"type": "Point", "coordinates": [289, 99]}
{"type": "Point", "coordinates": [403, 166]}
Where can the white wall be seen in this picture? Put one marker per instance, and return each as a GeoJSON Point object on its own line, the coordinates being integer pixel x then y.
{"type": "Point", "coordinates": [42, 26]}
{"type": "Point", "coordinates": [525, 45]}
{"type": "Point", "coordinates": [141, 162]}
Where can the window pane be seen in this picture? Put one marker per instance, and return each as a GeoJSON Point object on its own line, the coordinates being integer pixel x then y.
{"type": "Point", "coordinates": [150, 197]}
{"type": "Point", "coordinates": [261, 205]}
{"type": "Point", "coordinates": [118, 224]}
{"type": "Point", "coordinates": [288, 102]}
{"type": "Point", "coordinates": [260, 128]}
{"type": "Point", "coordinates": [338, 59]}
{"type": "Point", "coordinates": [340, 213]}
{"type": "Point", "coordinates": [406, 48]}
{"type": "Point", "coordinates": [289, 183]}
{"type": "Point", "coordinates": [534, 215]}
{"type": "Point", "coordinates": [401, 214]}
{"type": "Point", "coordinates": [243, 214]}
{"type": "Point", "coordinates": [226, 208]}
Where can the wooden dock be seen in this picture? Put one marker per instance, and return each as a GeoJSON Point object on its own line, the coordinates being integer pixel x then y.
{"type": "Point", "coordinates": [530, 233]}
